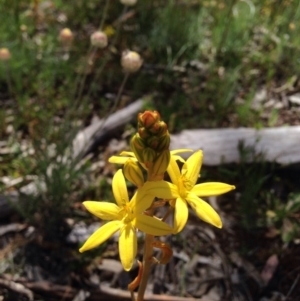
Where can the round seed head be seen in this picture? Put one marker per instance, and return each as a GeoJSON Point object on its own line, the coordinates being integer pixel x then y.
{"type": "Point", "coordinates": [131, 61]}
{"type": "Point", "coordinates": [66, 36]}
{"type": "Point", "coordinates": [4, 54]}
{"type": "Point", "coordinates": [99, 39]}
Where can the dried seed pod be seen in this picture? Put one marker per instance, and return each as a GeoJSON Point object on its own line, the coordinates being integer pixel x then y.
{"type": "Point", "coordinates": [4, 54]}
{"type": "Point", "coordinates": [66, 36]}
{"type": "Point", "coordinates": [131, 61]}
{"type": "Point", "coordinates": [99, 39]}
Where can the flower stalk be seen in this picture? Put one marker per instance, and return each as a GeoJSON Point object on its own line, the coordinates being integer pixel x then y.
{"type": "Point", "coordinates": [147, 265]}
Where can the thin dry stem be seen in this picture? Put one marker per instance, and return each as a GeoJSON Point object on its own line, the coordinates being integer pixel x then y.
{"type": "Point", "coordinates": [170, 210]}
{"type": "Point", "coordinates": [132, 296]}
{"type": "Point", "coordinates": [147, 264]}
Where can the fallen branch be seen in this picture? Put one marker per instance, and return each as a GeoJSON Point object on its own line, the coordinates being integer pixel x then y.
{"type": "Point", "coordinates": [100, 130]}
{"type": "Point", "coordinates": [279, 145]}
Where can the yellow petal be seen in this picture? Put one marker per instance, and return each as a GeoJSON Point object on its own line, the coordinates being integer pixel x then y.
{"type": "Point", "coordinates": [181, 150]}
{"type": "Point", "coordinates": [178, 151]}
{"type": "Point", "coordinates": [161, 189]}
{"type": "Point", "coordinates": [101, 235]}
{"type": "Point", "coordinates": [211, 188]}
{"type": "Point", "coordinates": [122, 160]}
{"type": "Point", "coordinates": [140, 201]}
{"type": "Point", "coordinates": [151, 225]}
{"type": "Point", "coordinates": [191, 167]}
{"type": "Point", "coordinates": [180, 215]}
{"type": "Point", "coordinates": [103, 210]}
{"type": "Point", "coordinates": [127, 246]}
{"type": "Point", "coordinates": [178, 158]}
{"type": "Point", "coordinates": [173, 170]}
{"type": "Point", "coordinates": [117, 159]}
{"type": "Point", "coordinates": [128, 154]}
{"type": "Point", "coordinates": [119, 188]}
{"type": "Point", "coordinates": [204, 210]}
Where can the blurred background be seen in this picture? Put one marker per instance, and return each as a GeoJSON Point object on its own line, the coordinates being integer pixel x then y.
{"type": "Point", "coordinates": [206, 64]}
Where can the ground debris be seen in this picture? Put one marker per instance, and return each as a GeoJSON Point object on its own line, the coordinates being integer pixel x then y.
{"type": "Point", "coordinates": [17, 288]}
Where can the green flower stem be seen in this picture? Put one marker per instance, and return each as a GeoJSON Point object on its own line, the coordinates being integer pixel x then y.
{"type": "Point", "coordinates": [98, 74]}
{"type": "Point", "coordinates": [228, 20]}
{"type": "Point", "coordinates": [8, 78]}
{"type": "Point", "coordinates": [147, 264]}
{"type": "Point", "coordinates": [104, 14]}
{"type": "Point", "coordinates": [108, 56]}
{"type": "Point", "coordinates": [90, 56]}
{"type": "Point", "coordinates": [120, 92]}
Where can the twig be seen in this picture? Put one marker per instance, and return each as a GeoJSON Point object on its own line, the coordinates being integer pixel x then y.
{"type": "Point", "coordinates": [17, 287]}
{"type": "Point", "coordinates": [292, 287]}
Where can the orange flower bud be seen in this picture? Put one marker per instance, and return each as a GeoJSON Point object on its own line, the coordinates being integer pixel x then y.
{"type": "Point", "coordinates": [148, 118]}
{"type": "Point", "coordinates": [159, 128]}
{"type": "Point", "coordinates": [143, 133]}
{"type": "Point", "coordinates": [131, 61]}
{"type": "Point", "coordinates": [99, 39]}
{"type": "Point", "coordinates": [4, 54]}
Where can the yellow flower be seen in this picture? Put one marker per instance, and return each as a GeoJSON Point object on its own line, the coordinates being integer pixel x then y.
{"type": "Point", "coordinates": [124, 216]}
{"type": "Point", "coordinates": [185, 191]}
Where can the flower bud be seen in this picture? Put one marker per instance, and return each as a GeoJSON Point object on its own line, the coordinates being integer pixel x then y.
{"type": "Point", "coordinates": [137, 145]}
{"type": "Point", "coordinates": [148, 118]}
{"type": "Point", "coordinates": [133, 173]}
{"type": "Point", "coordinates": [128, 2]}
{"type": "Point", "coordinates": [164, 143]}
{"type": "Point", "coordinates": [99, 39]}
{"type": "Point", "coordinates": [4, 54]}
{"type": "Point", "coordinates": [161, 163]}
{"type": "Point", "coordinates": [152, 142]}
{"type": "Point", "coordinates": [138, 141]}
{"type": "Point", "coordinates": [66, 36]}
{"type": "Point", "coordinates": [143, 133]}
{"type": "Point", "coordinates": [159, 128]}
{"type": "Point", "coordinates": [148, 156]}
{"type": "Point", "coordinates": [131, 61]}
